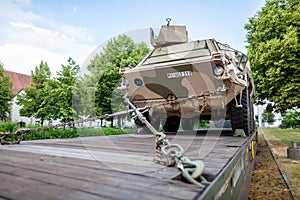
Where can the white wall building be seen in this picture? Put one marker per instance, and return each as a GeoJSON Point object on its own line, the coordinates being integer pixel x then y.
{"type": "Point", "coordinates": [20, 81]}
{"type": "Point", "coordinates": [15, 113]}
{"type": "Point", "coordinates": [259, 109]}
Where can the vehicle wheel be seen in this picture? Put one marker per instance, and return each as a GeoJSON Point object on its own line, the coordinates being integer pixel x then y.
{"type": "Point", "coordinates": [141, 127]}
{"type": "Point", "coordinates": [172, 124]}
{"type": "Point", "coordinates": [240, 117]}
{"type": "Point", "coordinates": [188, 123]}
{"type": "Point", "coordinates": [155, 122]}
{"type": "Point", "coordinates": [138, 122]}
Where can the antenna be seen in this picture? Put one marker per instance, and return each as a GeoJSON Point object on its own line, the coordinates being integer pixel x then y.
{"type": "Point", "coordinates": [168, 20]}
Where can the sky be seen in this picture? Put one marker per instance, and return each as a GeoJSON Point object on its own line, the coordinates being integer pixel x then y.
{"type": "Point", "coordinates": [54, 30]}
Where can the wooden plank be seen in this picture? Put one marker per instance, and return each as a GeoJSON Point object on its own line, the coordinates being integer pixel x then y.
{"type": "Point", "coordinates": [37, 170]}
{"type": "Point", "coordinates": [193, 151]}
{"type": "Point", "coordinates": [73, 184]}
{"type": "Point", "coordinates": [164, 172]}
{"type": "Point", "coordinates": [89, 154]}
{"type": "Point", "coordinates": [15, 187]}
{"type": "Point", "coordinates": [108, 167]}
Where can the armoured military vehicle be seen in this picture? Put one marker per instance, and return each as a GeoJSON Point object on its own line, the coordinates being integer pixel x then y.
{"type": "Point", "coordinates": [182, 80]}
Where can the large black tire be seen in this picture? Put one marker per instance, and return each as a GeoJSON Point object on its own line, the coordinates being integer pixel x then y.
{"type": "Point", "coordinates": [172, 124]}
{"type": "Point", "coordinates": [241, 117]}
{"type": "Point", "coordinates": [138, 122]}
{"type": "Point", "coordinates": [155, 122]}
{"type": "Point", "coordinates": [188, 123]}
{"type": "Point", "coordinates": [141, 127]}
{"type": "Point", "coordinates": [145, 130]}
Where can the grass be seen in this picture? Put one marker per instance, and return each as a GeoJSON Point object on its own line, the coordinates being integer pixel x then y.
{"type": "Point", "coordinates": [280, 140]}
{"type": "Point", "coordinates": [283, 136]}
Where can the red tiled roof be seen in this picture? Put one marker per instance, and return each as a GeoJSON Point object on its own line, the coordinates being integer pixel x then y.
{"type": "Point", "coordinates": [20, 81]}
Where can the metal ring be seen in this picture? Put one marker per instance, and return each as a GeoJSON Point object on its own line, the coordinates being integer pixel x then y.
{"type": "Point", "coordinates": [167, 150]}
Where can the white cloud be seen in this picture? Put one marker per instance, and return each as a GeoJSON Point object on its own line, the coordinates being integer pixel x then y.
{"type": "Point", "coordinates": [27, 38]}
{"type": "Point", "coordinates": [23, 58]}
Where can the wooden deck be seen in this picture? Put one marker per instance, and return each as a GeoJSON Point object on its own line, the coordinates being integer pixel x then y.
{"type": "Point", "coordinates": [107, 167]}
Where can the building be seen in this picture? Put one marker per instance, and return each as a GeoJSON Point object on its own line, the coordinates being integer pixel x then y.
{"type": "Point", "coordinates": [20, 81]}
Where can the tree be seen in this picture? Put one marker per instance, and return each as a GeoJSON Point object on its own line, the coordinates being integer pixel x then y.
{"type": "Point", "coordinates": [291, 118]}
{"type": "Point", "coordinates": [35, 100]}
{"type": "Point", "coordinates": [268, 117]}
{"type": "Point", "coordinates": [119, 52]}
{"type": "Point", "coordinates": [63, 87]}
{"type": "Point", "coordinates": [84, 97]}
{"type": "Point", "coordinates": [273, 35]}
{"type": "Point", "coordinates": [6, 94]}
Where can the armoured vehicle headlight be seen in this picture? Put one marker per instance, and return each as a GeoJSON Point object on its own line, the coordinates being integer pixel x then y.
{"type": "Point", "coordinates": [218, 70]}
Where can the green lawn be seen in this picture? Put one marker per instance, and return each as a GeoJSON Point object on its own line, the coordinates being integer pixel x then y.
{"type": "Point", "coordinates": [281, 140]}
{"type": "Point", "coordinates": [283, 136]}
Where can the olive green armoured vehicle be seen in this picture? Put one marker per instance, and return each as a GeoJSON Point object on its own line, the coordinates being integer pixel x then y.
{"type": "Point", "coordinates": [182, 81]}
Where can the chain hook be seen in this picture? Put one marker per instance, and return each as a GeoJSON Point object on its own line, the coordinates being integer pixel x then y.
{"type": "Point", "coordinates": [191, 170]}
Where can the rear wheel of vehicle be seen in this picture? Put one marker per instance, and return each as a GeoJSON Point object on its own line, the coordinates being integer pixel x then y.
{"type": "Point", "coordinates": [141, 127]}
{"type": "Point", "coordinates": [187, 123]}
{"type": "Point", "coordinates": [155, 122]}
{"type": "Point", "coordinates": [138, 122]}
{"type": "Point", "coordinates": [172, 124]}
{"type": "Point", "coordinates": [241, 116]}
{"type": "Point", "coordinates": [145, 130]}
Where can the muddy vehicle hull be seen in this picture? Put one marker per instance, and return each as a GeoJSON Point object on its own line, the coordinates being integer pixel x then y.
{"type": "Point", "coordinates": [199, 79]}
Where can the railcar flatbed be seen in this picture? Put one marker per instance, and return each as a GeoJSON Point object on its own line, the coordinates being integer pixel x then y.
{"type": "Point", "coordinates": [122, 167]}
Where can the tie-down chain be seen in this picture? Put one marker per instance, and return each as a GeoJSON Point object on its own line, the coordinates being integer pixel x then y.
{"type": "Point", "coordinates": [172, 154]}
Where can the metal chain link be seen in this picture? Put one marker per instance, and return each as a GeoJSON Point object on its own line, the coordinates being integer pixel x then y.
{"type": "Point", "coordinates": [172, 154]}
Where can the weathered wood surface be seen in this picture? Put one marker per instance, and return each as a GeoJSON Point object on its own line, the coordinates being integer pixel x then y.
{"type": "Point", "coordinates": [107, 167]}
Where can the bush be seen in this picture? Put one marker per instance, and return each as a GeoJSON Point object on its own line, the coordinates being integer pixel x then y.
{"type": "Point", "coordinates": [74, 132]}
{"type": "Point", "coordinates": [291, 118]}
{"type": "Point", "coordinates": [63, 133]}
{"type": "Point", "coordinates": [203, 124]}
{"type": "Point", "coordinates": [8, 127]}
{"type": "Point", "coordinates": [112, 131]}
{"type": "Point", "coordinates": [52, 134]}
